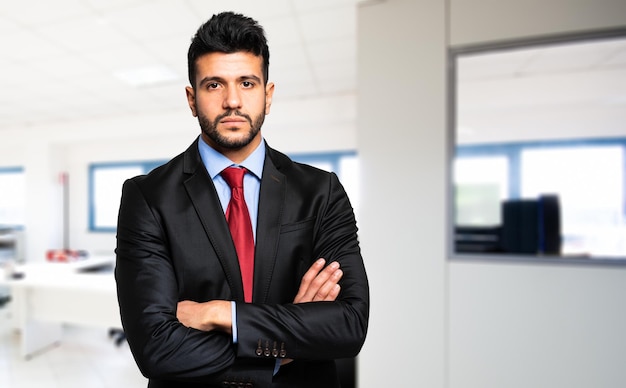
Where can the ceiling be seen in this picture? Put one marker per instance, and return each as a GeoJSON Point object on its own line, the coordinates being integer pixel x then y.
{"type": "Point", "coordinates": [70, 60]}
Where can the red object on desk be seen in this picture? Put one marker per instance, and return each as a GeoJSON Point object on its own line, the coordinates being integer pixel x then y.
{"type": "Point", "coordinates": [65, 255]}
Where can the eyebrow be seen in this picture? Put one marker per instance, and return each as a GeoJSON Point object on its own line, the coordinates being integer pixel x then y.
{"type": "Point", "coordinates": [209, 79]}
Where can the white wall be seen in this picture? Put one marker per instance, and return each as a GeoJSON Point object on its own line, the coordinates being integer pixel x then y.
{"type": "Point", "coordinates": [451, 323]}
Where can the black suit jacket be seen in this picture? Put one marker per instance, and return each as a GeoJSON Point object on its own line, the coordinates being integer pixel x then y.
{"type": "Point", "coordinates": [173, 244]}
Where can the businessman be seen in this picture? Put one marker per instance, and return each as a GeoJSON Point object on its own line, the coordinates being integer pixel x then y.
{"type": "Point", "coordinates": [237, 267]}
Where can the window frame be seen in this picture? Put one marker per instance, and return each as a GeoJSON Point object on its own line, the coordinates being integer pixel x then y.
{"type": "Point", "coordinates": [453, 54]}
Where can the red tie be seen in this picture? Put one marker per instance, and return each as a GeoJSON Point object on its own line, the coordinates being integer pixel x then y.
{"type": "Point", "coordinates": [240, 227]}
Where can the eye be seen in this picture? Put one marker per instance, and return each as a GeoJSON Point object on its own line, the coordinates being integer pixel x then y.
{"type": "Point", "coordinates": [247, 84]}
{"type": "Point", "coordinates": [212, 85]}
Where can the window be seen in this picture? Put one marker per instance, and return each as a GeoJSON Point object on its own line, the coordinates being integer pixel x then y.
{"type": "Point", "coordinates": [106, 181]}
{"type": "Point", "coordinates": [481, 184]}
{"type": "Point", "coordinates": [590, 183]}
{"type": "Point", "coordinates": [587, 176]}
{"type": "Point", "coordinates": [537, 130]}
{"type": "Point", "coordinates": [344, 164]}
{"type": "Point", "coordinates": [12, 197]}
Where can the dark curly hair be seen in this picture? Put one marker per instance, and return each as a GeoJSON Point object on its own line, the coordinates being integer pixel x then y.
{"type": "Point", "coordinates": [228, 32]}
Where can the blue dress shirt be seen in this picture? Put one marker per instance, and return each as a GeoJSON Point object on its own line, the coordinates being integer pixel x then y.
{"type": "Point", "coordinates": [215, 163]}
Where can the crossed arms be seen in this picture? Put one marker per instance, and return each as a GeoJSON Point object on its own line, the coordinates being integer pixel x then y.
{"type": "Point", "coordinates": [318, 284]}
{"type": "Point", "coordinates": [176, 312]}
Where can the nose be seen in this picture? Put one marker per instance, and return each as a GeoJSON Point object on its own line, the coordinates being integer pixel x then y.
{"type": "Point", "coordinates": [232, 99]}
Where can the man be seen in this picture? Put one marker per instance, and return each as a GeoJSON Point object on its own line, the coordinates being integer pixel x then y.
{"type": "Point", "coordinates": [195, 312]}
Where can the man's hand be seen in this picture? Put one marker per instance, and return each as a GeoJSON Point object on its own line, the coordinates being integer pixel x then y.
{"type": "Point", "coordinates": [207, 316]}
{"type": "Point", "coordinates": [319, 283]}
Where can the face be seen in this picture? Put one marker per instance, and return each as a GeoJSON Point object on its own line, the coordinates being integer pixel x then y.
{"type": "Point", "coordinates": [230, 101]}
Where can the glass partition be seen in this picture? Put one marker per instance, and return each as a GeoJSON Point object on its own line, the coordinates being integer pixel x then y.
{"type": "Point", "coordinates": [539, 142]}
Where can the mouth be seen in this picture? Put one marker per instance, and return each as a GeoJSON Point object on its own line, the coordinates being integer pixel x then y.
{"type": "Point", "coordinates": [232, 120]}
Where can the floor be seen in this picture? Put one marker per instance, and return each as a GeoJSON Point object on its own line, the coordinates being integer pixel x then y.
{"type": "Point", "coordinates": [85, 358]}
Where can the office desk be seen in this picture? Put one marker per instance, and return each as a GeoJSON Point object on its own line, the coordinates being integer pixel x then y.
{"type": "Point", "coordinates": [51, 294]}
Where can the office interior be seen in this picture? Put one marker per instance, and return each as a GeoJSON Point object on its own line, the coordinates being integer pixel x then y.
{"type": "Point", "coordinates": [364, 76]}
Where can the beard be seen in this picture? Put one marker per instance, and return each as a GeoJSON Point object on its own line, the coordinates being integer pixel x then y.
{"type": "Point", "coordinates": [209, 129]}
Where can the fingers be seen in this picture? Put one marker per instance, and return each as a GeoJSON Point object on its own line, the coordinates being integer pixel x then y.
{"type": "Point", "coordinates": [309, 276]}
{"type": "Point", "coordinates": [333, 293]}
{"type": "Point", "coordinates": [329, 290]}
{"type": "Point", "coordinates": [320, 283]}
{"type": "Point", "coordinates": [307, 279]}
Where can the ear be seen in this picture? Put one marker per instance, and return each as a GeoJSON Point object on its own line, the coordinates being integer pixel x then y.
{"type": "Point", "coordinates": [269, 93]}
{"type": "Point", "coordinates": [191, 100]}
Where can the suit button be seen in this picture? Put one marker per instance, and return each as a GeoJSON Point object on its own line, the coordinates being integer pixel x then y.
{"type": "Point", "coordinates": [259, 351]}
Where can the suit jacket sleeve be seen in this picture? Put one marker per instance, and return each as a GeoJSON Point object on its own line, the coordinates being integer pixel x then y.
{"type": "Point", "coordinates": [318, 330]}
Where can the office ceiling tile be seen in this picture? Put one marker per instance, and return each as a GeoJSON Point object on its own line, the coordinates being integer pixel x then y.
{"type": "Point", "coordinates": [337, 50]}
{"type": "Point", "coordinates": [153, 20]}
{"type": "Point", "coordinates": [63, 67]}
{"type": "Point", "coordinates": [6, 24]}
{"type": "Point", "coordinates": [25, 45]}
{"type": "Point", "coordinates": [259, 10]}
{"type": "Point", "coordinates": [328, 24]}
{"type": "Point", "coordinates": [305, 6]}
{"type": "Point", "coordinates": [111, 5]}
{"type": "Point", "coordinates": [124, 57]}
{"type": "Point", "coordinates": [43, 12]}
{"type": "Point", "coordinates": [282, 32]}
{"type": "Point", "coordinates": [82, 35]}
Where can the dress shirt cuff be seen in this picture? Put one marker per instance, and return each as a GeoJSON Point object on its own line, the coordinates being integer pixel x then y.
{"type": "Point", "coordinates": [233, 313]}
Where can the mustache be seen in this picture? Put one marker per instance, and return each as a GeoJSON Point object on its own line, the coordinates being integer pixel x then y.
{"type": "Point", "coordinates": [233, 112]}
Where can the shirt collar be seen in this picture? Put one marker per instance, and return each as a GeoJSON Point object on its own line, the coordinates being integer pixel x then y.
{"type": "Point", "coordinates": [216, 162]}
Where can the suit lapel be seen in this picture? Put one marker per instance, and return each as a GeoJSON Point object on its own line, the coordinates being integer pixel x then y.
{"type": "Point", "coordinates": [204, 198]}
{"type": "Point", "coordinates": [271, 203]}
